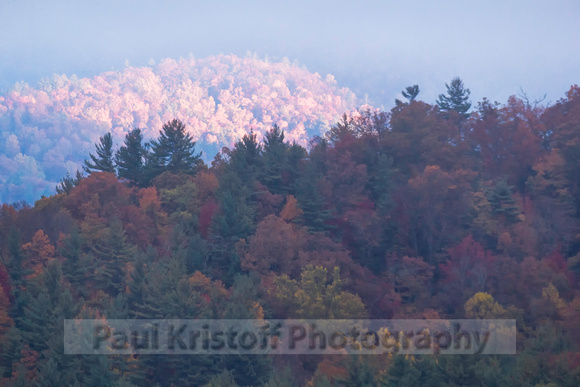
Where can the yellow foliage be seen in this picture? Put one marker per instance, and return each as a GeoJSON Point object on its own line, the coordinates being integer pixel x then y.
{"type": "Point", "coordinates": [482, 305]}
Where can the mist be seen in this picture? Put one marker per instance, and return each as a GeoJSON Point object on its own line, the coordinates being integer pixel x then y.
{"type": "Point", "coordinates": [375, 48]}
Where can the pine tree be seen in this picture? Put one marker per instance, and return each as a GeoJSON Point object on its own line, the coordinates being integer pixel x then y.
{"type": "Point", "coordinates": [68, 182]}
{"type": "Point", "coordinates": [457, 98]}
{"type": "Point", "coordinates": [234, 221]}
{"type": "Point", "coordinates": [502, 203]}
{"type": "Point", "coordinates": [414, 371]}
{"type": "Point", "coordinates": [274, 155]}
{"type": "Point", "coordinates": [173, 152]}
{"type": "Point", "coordinates": [295, 155]}
{"type": "Point", "coordinates": [410, 93]}
{"type": "Point", "coordinates": [311, 202]}
{"type": "Point", "coordinates": [112, 254]}
{"type": "Point", "coordinates": [246, 159]}
{"type": "Point", "coordinates": [76, 262]}
{"type": "Point", "coordinates": [48, 303]}
{"type": "Point", "coordinates": [359, 373]}
{"type": "Point", "coordinates": [130, 157]}
{"type": "Point", "coordinates": [103, 161]}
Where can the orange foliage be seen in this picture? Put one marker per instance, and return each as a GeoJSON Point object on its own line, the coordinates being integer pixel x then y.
{"type": "Point", "coordinates": [38, 252]}
{"type": "Point", "coordinates": [207, 185]}
{"type": "Point", "coordinates": [291, 211]}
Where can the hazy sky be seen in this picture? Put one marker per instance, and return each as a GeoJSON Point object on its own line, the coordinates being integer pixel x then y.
{"type": "Point", "coordinates": [373, 47]}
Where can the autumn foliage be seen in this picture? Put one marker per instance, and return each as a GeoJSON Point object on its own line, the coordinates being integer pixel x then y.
{"type": "Point", "coordinates": [415, 213]}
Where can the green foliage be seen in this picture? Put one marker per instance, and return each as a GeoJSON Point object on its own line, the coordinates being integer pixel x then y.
{"type": "Point", "coordinates": [359, 373]}
{"type": "Point", "coordinates": [502, 202]}
{"type": "Point", "coordinates": [457, 98]}
{"type": "Point", "coordinates": [173, 151]}
{"type": "Point", "coordinates": [42, 322]}
{"type": "Point", "coordinates": [409, 212]}
{"type": "Point", "coordinates": [68, 182]}
{"type": "Point", "coordinates": [410, 93]}
{"type": "Point", "coordinates": [103, 161]}
{"type": "Point", "coordinates": [274, 155]}
{"type": "Point", "coordinates": [130, 158]}
{"type": "Point", "coordinates": [246, 159]}
{"type": "Point", "coordinates": [111, 255]}
{"type": "Point", "coordinates": [282, 378]}
{"type": "Point", "coordinates": [317, 295]}
{"type": "Point", "coordinates": [412, 371]}
{"type": "Point", "coordinates": [224, 379]}
{"type": "Point", "coordinates": [311, 202]}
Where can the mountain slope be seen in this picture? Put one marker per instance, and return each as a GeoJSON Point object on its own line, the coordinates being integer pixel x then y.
{"type": "Point", "coordinates": [48, 130]}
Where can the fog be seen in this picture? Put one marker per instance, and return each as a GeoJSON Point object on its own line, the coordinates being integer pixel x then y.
{"type": "Point", "coordinates": [376, 48]}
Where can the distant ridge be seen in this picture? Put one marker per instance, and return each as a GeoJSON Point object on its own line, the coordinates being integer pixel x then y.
{"type": "Point", "coordinates": [48, 130]}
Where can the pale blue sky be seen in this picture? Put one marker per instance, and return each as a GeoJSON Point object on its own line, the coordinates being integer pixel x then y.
{"type": "Point", "coordinates": [373, 47]}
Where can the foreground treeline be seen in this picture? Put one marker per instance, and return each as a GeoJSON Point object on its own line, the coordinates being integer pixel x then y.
{"type": "Point", "coordinates": [425, 211]}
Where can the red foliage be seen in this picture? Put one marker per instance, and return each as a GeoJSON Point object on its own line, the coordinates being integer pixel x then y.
{"type": "Point", "coordinates": [109, 192]}
{"type": "Point", "coordinates": [557, 262]}
{"type": "Point", "coordinates": [5, 285]}
{"type": "Point", "coordinates": [470, 269]}
{"type": "Point", "coordinates": [205, 216]}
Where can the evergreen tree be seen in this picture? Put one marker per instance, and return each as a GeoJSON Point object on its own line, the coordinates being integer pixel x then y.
{"type": "Point", "coordinates": [112, 254]}
{"type": "Point", "coordinates": [226, 378]}
{"type": "Point", "coordinates": [359, 373]}
{"type": "Point", "coordinates": [457, 98]}
{"type": "Point", "coordinates": [284, 378]}
{"type": "Point", "coordinates": [68, 182]}
{"type": "Point", "coordinates": [170, 294]}
{"type": "Point", "coordinates": [246, 159]}
{"type": "Point", "coordinates": [295, 154]}
{"type": "Point", "coordinates": [76, 262]}
{"type": "Point", "coordinates": [234, 221]}
{"type": "Point", "coordinates": [130, 157]}
{"type": "Point", "coordinates": [502, 203]}
{"type": "Point", "coordinates": [414, 371]}
{"type": "Point", "coordinates": [311, 202]}
{"type": "Point", "coordinates": [10, 351]}
{"type": "Point", "coordinates": [103, 161]}
{"type": "Point", "coordinates": [410, 93]}
{"type": "Point", "coordinates": [48, 304]}
{"type": "Point", "coordinates": [173, 151]}
{"type": "Point", "coordinates": [138, 285]}
{"type": "Point", "coordinates": [274, 155]}
{"type": "Point", "coordinates": [14, 265]}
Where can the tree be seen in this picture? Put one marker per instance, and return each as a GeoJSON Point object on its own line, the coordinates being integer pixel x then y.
{"type": "Point", "coordinates": [39, 252]}
{"type": "Point", "coordinates": [318, 294]}
{"type": "Point", "coordinates": [68, 182]}
{"type": "Point", "coordinates": [103, 162]}
{"type": "Point", "coordinates": [245, 158]}
{"type": "Point", "coordinates": [359, 373]}
{"type": "Point", "coordinates": [502, 203]}
{"type": "Point", "coordinates": [274, 154]}
{"type": "Point", "coordinates": [410, 92]}
{"type": "Point", "coordinates": [482, 305]}
{"type": "Point", "coordinates": [457, 98]}
{"type": "Point", "coordinates": [130, 157]}
{"type": "Point", "coordinates": [112, 254]}
{"type": "Point", "coordinates": [470, 269]}
{"type": "Point", "coordinates": [174, 151]}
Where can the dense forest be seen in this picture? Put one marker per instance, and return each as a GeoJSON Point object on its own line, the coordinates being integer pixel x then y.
{"type": "Point", "coordinates": [426, 211]}
{"type": "Point", "coordinates": [48, 130]}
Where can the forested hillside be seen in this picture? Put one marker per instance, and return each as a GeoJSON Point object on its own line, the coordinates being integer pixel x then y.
{"type": "Point", "coordinates": [423, 212]}
{"type": "Point", "coordinates": [46, 131]}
